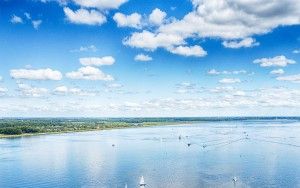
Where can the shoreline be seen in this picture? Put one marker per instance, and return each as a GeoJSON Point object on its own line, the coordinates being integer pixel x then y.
{"type": "Point", "coordinates": [2, 136]}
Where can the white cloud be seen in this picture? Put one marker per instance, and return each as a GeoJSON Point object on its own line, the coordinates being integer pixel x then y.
{"type": "Point", "coordinates": [196, 51]}
{"type": "Point", "coordinates": [89, 73]}
{"type": "Point", "coordinates": [61, 89]}
{"type": "Point", "coordinates": [157, 17]}
{"type": "Point", "coordinates": [225, 89]}
{"type": "Point", "coordinates": [30, 91]}
{"type": "Point", "coordinates": [80, 92]}
{"type": "Point", "coordinates": [296, 51]}
{"type": "Point", "coordinates": [278, 61]}
{"type": "Point", "coordinates": [229, 81]}
{"type": "Point", "coordinates": [238, 72]}
{"type": "Point", "coordinates": [142, 57]}
{"type": "Point", "coordinates": [64, 90]}
{"type": "Point", "coordinates": [235, 19]}
{"type": "Point", "coordinates": [16, 19]}
{"type": "Point", "coordinates": [221, 19]}
{"type": "Point", "coordinates": [186, 87]}
{"type": "Point", "coordinates": [27, 15]}
{"type": "Point", "coordinates": [132, 20]}
{"type": "Point", "coordinates": [83, 16]}
{"type": "Point", "coordinates": [90, 48]}
{"type": "Point", "coordinates": [97, 61]}
{"type": "Point", "coordinates": [152, 41]}
{"type": "Point", "coordinates": [60, 2]}
{"type": "Point", "coordinates": [101, 4]}
{"type": "Point", "coordinates": [36, 74]}
{"type": "Point", "coordinates": [114, 85]}
{"type": "Point", "coordinates": [244, 43]}
{"type": "Point", "coordinates": [132, 106]}
{"type": "Point", "coordinates": [36, 24]}
{"type": "Point", "coordinates": [291, 78]}
{"type": "Point", "coordinates": [3, 91]}
{"type": "Point", "coordinates": [215, 72]}
{"type": "Point", "coordinates": [277, 71]}
{"type": "Point", "coordinates": [234, 102]}
{"type": "Point", "coordinates": [239, 93]}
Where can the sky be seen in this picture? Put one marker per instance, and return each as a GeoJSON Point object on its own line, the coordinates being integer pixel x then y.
{"type": "Point", "coordinates": [158, 58]}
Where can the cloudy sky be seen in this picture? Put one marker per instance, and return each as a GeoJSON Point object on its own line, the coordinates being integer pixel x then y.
{"type": "Point", "coordinates": [115, 58]}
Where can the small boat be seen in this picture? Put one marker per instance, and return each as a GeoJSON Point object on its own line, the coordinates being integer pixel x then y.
{"type": "Point", "coordinates": [234, 179]}
{"type": "Point", "coordinates": [142, 182]}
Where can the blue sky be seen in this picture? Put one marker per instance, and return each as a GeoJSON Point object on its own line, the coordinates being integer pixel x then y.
{"type": "Point", "coordinates": [112, 58]}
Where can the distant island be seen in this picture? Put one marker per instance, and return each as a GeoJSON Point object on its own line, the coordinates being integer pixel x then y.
{"type": "Point", "coordinates": [12, 127]}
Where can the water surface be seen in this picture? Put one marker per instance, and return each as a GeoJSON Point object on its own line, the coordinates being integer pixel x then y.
{"type": "Point", "coordinates": [257, 153]}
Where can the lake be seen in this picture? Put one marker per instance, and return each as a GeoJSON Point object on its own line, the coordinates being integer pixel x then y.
{"type": "Point", "coordinates": [208, 154]}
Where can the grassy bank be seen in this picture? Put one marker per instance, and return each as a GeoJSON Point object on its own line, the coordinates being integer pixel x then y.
{"type": "Point", "coordinates": [12, 127]}
{"type": "Point", "coordinates": [29, 127]}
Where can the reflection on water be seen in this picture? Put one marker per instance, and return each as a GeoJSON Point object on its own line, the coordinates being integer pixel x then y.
{"type": "Point", "coordinates": [257, 154]}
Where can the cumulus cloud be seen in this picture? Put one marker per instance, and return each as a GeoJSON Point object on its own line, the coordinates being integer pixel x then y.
{"type": "Point", "coordinates": [152, 41]}
{"type": "Point", "coordinates": [84, 16]}
{"type": "Point", "coordinates": [100, 4]}
{"type": "Point", "coordinates": [234, 21]}
{"type": "Point", "coordinates": [278, 61]}
{"type": "Point", "coordinates": [229, 81]}
{"type": "Point", "coordinates": [36, 24]}
{"type": "Point", "coordinates": [30, 91]}
{"type": "Point", "coordinates": [97, 61]}
{"type": "Point", "coordinates": [132, 20]}
{"type": "Point", "coordinates": [16, 19]}
{"type": "Point", "coordinates": [132, 106]}
{"type": "Point", "coordinates": [296, 51]}
{"type": "Point", "coordinates": [3, 91]}
{"type": "Point", "coordinates": [64, 90]}
{"type": "Point", "coordinates": [196, 51]}
{"type": "Point", "coordinates": [90, 48]}
{"type": "Point", "coordinates": [142, 57]}
{"type": "Point", "coordinates": [157, 17]}
{"type": "Point", "coordinates": [216, 72]}
{"type": "Point", "coordinates": [114, 87]}
{"type": "Point", "coordinates": [61, 89]}
{"type": "Point", "coordinates": [60, 2]}
{"type": "Point", "coordinates": [89, 73]}
{"type": "Point", "coordinates": [27, 15]}
{"type": "Point", "coordinates": [172, 43]}
{"type": "Point", "coordinates": [222, 89]}
{"type": "Point", "coordinates": [277, 71]}
{"type": "Point", "coordinates": [186, 87]}
{"type": "Point", "coordinates": [228, 91]}
{"type": "Point", "coordinates": [244, 43]}
{"type": "Point", "coordinates": [291, 78]}
{"type": "Point", "coordinates": [36, 74]}
{"type": "Point", "coordinates": [259, 100]}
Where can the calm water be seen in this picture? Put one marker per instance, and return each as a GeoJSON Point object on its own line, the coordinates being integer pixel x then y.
{"type": "Point", "coordinates": [258, 154]}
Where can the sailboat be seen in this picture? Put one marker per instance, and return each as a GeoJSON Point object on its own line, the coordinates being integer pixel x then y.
{"type": "Point", "coordinates": [142, 182]}
{"type": "Point", "coordinates": [234, 179]}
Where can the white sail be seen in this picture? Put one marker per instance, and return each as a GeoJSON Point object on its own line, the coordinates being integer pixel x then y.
{"type": "Point", "coordinates": [142, 182]}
